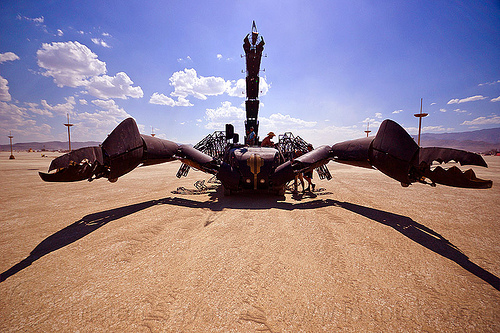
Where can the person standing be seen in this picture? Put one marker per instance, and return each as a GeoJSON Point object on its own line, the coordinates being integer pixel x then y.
{"type": "Point", "coordinates": [267, 140]}
{"type": "Point", "coordinates": [251, 137]}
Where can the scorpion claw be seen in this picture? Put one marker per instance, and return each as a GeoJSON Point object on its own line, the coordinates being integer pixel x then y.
{"type": "Point", "coordinates": [444, 155]}
{"type": "Point", "coordinates": [72, 173]}
{"type": "Point", "coordinates": [77, 165]}
{"type": "Point", "coordinates": [122, 151]}
{"type": "Point", "coordinates": [452, 176]}
{"type": "Point", "coordinates": [456, 178]}
{"type": "Point", "coordinates": [394, 152]}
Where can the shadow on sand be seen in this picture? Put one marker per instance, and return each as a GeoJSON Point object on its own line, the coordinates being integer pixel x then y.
{"type": "Point", "coordinates": [403, 224]}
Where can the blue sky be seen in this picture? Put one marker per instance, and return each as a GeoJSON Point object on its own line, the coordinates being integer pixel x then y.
{"type": "Point", "coordinates": [175, 66]}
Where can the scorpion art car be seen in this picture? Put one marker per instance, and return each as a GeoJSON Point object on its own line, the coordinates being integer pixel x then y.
{"type": "Point", "coordinates": [248, 166]}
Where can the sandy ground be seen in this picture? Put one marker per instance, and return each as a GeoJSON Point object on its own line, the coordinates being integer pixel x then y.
{"type": "Point", "coordinates": [365, 254]}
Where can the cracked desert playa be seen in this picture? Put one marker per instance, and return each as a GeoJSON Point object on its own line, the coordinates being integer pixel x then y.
{"type": "Point", "coordinates": [364, 254]}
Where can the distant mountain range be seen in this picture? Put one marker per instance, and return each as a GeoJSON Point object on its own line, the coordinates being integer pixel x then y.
{"type": "Point", "coordinates": [50, 146]}
{"type": "Point", "coordinates": [480, 141]}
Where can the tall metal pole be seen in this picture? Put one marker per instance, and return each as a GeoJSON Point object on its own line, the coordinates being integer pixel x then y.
{"type": "Point", "coordinates": [69, 135]}
{"type": "Point", "coordinates": [11, 151]}
{"type": "Point", "coordinates": [367, 129]}
{"type": "Point", "coordinates": [420, 116]}
{"type": "Point", "coordinates": [253, 45]}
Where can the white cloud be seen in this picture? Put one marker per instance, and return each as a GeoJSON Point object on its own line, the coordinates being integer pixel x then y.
{"type": "Point", "coordinates": [118, 86]}
{"type": "Point", "coordinates": [329, 135]}
{"type": "Point", "coordinates": [489, 83]}
{"type": "Point", "coordinates": [429, 129]}
{"type": "Point", "coordinates": [13, 116]}
{"type": "Point", "coordinates": [99, 41]}
{"type": "Point", "coordinates": [442, 110]}
{"type": "Point", "coordinates": [489, 120]}
{"type": "Point", "coordinates": [397, 111]}
{"type": "Point", "coordinates": [59, 109]}
{"type": "Point", "coordinates": [60, 33]}
{"type": "Point", "coordinates": [225, 114]}
{"type": "Point", "coordinates": [181, 60]}
{"type": "Point", "coordinates": [496, 99]}
{"type": "Point", "coordinates": [74, 65]}
{"type": "Point", "coordinates": [33, 108]}
{"type": "Point", "coordinates": [279, 120]}
{"type": "Point", "coordinates": [69, 63]}
{"type": "Point", "coordinates": [161, 99]}
{"type": "Point", "coordinates": [8, 56]}
{"type": "Point", "coordinates": [263, 86]}
{"type": "Point", "coordinates": [96, 125]}
{"type": "Point", "coordinates": [38, 20]}
{"type": "Point", "coordinates": [181, 101]}
{"type": "Point", "coordinates": [219, 56]}
{"type": "Point", "coordinates": [279, 123]}
{"type": "Point", "coordinates": [468, 99]}
{"type": "Point", "coordinates": [372, 122]}
{"type": "Point", "coordinates": [238, 88]}
{"type": "Point", "coordinates": [188, 83]}
{"type": "Point", "coordinates": [473, 98]}
{"type": "Point", "coordinates": [460, 111]}
{"type": "Point", "coordinates": [378, 115]}
{"type": "Point", "coordinates": [16, 119]}
{"type": "Point", "coordinates": [435, 129]}
{"type": "Point", "coordinates": [83, 102]}
{"type": "Point", "coordinates": [110, 105]}
{"type": "Point", "coordinates": [21, 120]}
{"type": "Point", "coordinates": [4, 90]}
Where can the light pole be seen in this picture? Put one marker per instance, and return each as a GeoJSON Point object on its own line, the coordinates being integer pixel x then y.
{"type": "Point", "coordinates": [68, 125]}
{"type": "Point", "coordinates": [11, 152]}
{"type": "Point", "coordinates": [420, 116]}
{"type": "Point", "coordinates": [367, 129]}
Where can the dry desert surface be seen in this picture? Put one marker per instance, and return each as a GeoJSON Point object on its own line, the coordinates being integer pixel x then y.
{"type": "Point", "coordinates": [362, 254]}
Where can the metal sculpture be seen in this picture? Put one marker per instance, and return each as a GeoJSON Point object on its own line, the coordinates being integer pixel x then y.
{"type": "Point", "coordinates": [250, 167]}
